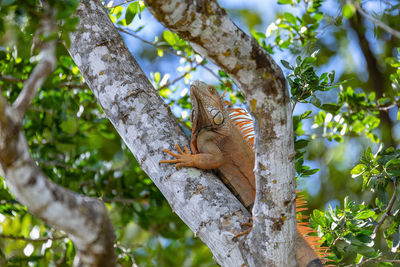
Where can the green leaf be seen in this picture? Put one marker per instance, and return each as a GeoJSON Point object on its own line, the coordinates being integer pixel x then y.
{"type": "Point", "coordinates": [383, 101]}
{"type": "Point", "coordinates": [165, 92]}
{"type": "Point", "coordinates": [157, 77]}
{"type": "Point", "coordinates": [323, 76]}
{"type": "Point", "coordinates": [315, 101]}
{"type": "Point", "coordinates": [319, 218]}
{"type": "Point", "coordinates": [372, 121]}
{"type": "Point", "coordinates": [337, 138]}
{"type": "Point", "coordinates": [286, 64]}
{"type": "Point", "coordinates": [301, 143]}
{"type": "Point", "coordinates": [318, 16]}
{"type": "Point", "coordinates": [258, 35]}
{"type": "Point", "coordinates": [368, 154]}
{"type": "Point", "coordinates": [392, 162]}
{"type": "Point", "coordinates": [366, 251]}
{"type": "Point", "coordinates": [131, 12]}
{"type": "Point", "coordinates": [311, 59]}
{"type": "Point", "coordinates": [169, 37]}
{"type": "Point", "coordinates": [371, 96]}
{"type": "Point", "coordinates": [284, 2]}
{"type": "Point", "coordinates": [383, 197]}
{"type": "Point", "coordinates": [116, 13]}
{"type": "Point", "coordinates": [358, 170]}
{"type": "Point", "coordinates": [331, 108]}
{"type": "Point", "coordinates": [358, 126]}
{"type": "Point", "coordinates": [69, 126]}
{"type": "Point", "coordinates": [305, 115]}
{"type": "Point", "coordinates": [222, 74]}
{"type": "Point", "coordinates": [384, 264]}
{"type": "Point", "coordinates": [348, 10]}
{"type": "Point", "coordinates": [396, 242]}
{"type": "Point", "coordinates": [374, 138]}
{"type": "Point", "coordinates": [290, 18]}
{"type": "Point", "coordinates": [365, 214]}
{"type": "Point", "coordinates": [320, 118]}
{"type": "Point", "coordinates": [309, 172]}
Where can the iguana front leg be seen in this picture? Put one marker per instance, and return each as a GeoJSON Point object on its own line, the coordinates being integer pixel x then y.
{"type": "Point", "coordinates": [205, 161]}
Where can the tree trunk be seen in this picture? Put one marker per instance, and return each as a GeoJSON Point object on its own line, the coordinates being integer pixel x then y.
{"type": "Point", "coordinates": [147, 126]}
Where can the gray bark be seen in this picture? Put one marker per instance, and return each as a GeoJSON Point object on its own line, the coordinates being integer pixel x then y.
{"type": "Point", "coordinates": [213, 34]}
{"type": "Point", "coordinates": [83, 218]}
{"type": "Point", "coordinates": [147, 126]}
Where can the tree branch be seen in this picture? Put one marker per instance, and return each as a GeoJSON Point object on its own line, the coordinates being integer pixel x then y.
{"type": "Point", "coordinates": [173, 52]}
{"type": "Point", "coordinates": [9, 78]}
{"type": "Point", "coordinates": [387, 212]}
{"type": "Point", "coordinates": [376, 80]}
{"type": "Point", "coordinates": [212, 34]}
{"type": "Point", "coordinates": [147, 125]}
{"type": "Point", "coordinates": [83, 218]}
{"type": "Point", "coordinates": [381, 221]}
{"type": "Point", "coordinates": [70, 84]}
{"type": "Point", "coordinates": [180, 76]}
{"type": "Point", "coordinates": [376, 21]}
{"type": "Point", "coordinates": [41, 239]}
{"type": "Point", "coordinates": [40, 72]}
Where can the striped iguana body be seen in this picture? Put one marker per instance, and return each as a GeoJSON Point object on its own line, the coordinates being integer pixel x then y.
{"type": "Point", "coordinates": [218, 144]}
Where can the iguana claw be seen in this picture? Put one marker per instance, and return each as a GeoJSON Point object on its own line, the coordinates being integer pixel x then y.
{"type": "Point", "coordinates": [183, 159]}
{"type": "Point", "coordinates": [245, 232]}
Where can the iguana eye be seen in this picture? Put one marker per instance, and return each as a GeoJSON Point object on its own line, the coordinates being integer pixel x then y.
{"type": "Point", "coordinates": [211, 89]}
{"type": "Point", "coordinates": [217, 117]}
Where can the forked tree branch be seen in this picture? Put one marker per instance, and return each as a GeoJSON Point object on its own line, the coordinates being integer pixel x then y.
{"type": "Point", "coordinates": [147, 126]}
{"type": "Point", "coordinates": [83, 218]}
{"type": "Point", "coordinates": [212, 34]}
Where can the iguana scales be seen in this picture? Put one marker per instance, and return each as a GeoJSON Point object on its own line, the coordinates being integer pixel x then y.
{"type": "Point", "coordinates": [219, 144]}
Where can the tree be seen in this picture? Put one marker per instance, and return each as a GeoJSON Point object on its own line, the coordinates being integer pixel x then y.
{"type": "Point", "coordinates": [146, 125]}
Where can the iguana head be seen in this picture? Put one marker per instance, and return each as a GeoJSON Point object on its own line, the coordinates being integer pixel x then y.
{"type": "Point", "coordinates": [207, 109]}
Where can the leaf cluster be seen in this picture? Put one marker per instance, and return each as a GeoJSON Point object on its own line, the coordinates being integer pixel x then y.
{"type": "Point", "coordinates": [290, 31]}
{"type": "Point", "coordinates": [350, 232]}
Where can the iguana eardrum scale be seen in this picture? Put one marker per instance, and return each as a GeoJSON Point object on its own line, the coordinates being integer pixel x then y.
{"type": "Point", "coordinates": [218, 144]}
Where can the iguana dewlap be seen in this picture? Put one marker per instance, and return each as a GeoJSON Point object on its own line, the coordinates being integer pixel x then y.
{"type": "Point", "coordinates": [218, 144]}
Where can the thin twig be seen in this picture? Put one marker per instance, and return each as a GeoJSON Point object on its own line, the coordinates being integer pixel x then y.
{"type": "Point", "coordinates": [381, 221]}
{"type": "Point", "coordinates": [385, 108]}
{"type": "Point", "coordinates": [372, 260]}
{"type": "Point", "coordinates": [73, 85]}
{"type": "Point", "coordinates": [70, 84]}
{"type": "Point", "coordinates": [27, 239]}
{"type": "Point", "coordinates": [125, 2]}
{"type": "Point", "coordinates": [173, 52]}
{"type": "Point", "coordinates": [9, 78]}
{"type": "Point", "coordinates": [179, 77]}
{"type": "Point", "coordinates": [126, 201]}
{"type": "Point", "coordinates": [295, 102]}
{"type": "Point", "coordinates": [387, 213]}
{"type": "Point", "coordinates": [375, 21]}
{"type": "Point", "coordinates": [54, 163]}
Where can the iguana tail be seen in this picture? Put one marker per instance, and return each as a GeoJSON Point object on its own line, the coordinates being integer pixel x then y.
{"type": "Point", "coordinates": [303, 226]}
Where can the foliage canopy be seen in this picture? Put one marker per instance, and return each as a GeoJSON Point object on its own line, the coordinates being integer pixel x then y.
{"type": "Point", "coordinates": [346, 130]}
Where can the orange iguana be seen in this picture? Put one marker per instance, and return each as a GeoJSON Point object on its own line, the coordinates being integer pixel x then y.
{"type": "Point", "coordinates": [218, 144]}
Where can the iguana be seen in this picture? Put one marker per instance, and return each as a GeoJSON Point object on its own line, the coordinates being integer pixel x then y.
{"type": "Point", "coordinates": [218, 144]}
